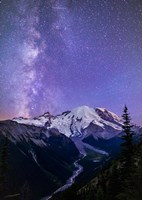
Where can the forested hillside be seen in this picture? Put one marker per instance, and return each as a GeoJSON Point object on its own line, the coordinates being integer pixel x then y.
{"type": "Point", "coordinates": [117, 182]}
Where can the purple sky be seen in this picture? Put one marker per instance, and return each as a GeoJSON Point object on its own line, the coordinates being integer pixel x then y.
{"type": "Point", "coordinates": [59, 54]}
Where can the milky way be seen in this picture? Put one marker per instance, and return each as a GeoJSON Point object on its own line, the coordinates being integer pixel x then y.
{"type": "Point", "coordinates": [59, 54]}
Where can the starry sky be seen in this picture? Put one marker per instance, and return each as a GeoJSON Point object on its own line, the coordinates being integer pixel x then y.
{"type": "Point", "coordinates": [59, 54]}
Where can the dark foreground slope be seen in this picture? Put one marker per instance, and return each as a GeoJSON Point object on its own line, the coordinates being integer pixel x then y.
{"type": "Point", "coordinates": [114, 182]}
{"type": "Point", "coordinates": [39, 158]}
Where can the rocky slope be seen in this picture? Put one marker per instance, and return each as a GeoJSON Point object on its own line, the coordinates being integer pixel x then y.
{"type": "Point", "coordinates": [43, 158]}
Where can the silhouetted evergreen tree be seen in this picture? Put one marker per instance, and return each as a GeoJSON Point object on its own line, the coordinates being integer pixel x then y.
{"type": "Point", "coordinates": [128, 140]}
{"type": "Point", "coordinates": [132, 187]}
{"type": "Point", "coordinates": [3, 167]}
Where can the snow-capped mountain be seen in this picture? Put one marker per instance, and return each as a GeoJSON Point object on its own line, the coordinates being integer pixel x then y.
{"type": "Point", "coordinates": [80, 125]}
{"type": "Point", "coordinates": [80, 122]}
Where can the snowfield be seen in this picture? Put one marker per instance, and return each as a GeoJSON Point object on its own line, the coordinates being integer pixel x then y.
{"type": "Point", "coordinates": [76, 122]}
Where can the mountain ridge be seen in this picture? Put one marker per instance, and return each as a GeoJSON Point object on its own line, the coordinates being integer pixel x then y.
{"type": "Point", "coordinates": [71, 123]}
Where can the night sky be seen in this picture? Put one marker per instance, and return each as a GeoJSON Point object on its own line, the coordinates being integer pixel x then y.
{"type": "Point", "coordinates": [59, 54]}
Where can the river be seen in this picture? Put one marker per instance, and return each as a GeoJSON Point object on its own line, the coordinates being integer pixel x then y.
{"type": "Point", "coordinates": [70, 181]}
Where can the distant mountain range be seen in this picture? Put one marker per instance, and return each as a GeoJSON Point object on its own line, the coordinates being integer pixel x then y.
{"type": "Point", "coordinates": [42, 150]}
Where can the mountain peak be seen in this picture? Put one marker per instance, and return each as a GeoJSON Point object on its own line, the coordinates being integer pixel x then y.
{"type": "Point", "coordinates": [83, 110]}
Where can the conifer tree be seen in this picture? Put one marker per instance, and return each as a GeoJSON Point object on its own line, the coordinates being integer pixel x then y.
{"type": "Point", "coordinates": [3, 166]}
{"type": "Point", "coordinates": [128, 139]}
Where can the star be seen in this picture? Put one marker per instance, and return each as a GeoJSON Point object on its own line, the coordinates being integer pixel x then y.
{"type": "Point", "coordinates": [57, 55]}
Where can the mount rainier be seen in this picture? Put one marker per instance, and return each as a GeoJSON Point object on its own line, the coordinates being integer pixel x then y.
{"type": "Point", "coordinates": [76, 123]}
{"type": "Point", "coordinates": [80, 124]}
